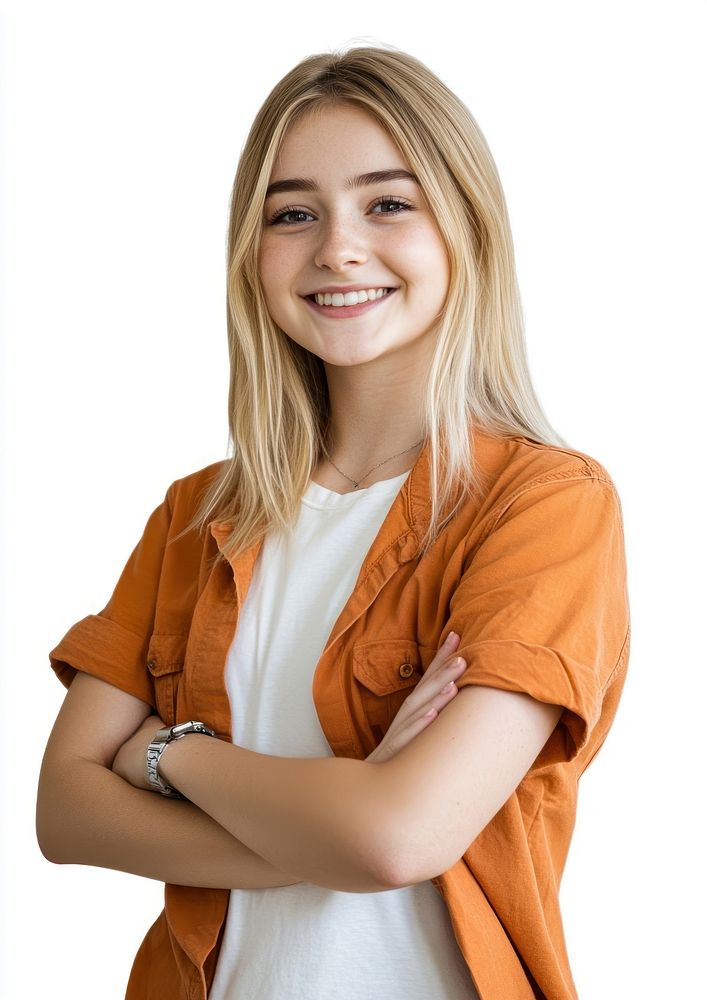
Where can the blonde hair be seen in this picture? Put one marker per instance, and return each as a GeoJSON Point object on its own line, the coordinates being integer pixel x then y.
{"type": "Point", "coordinates": [278, 398]}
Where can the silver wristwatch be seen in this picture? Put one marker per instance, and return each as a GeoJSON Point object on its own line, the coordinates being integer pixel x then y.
{"type": "Point", "coordinates": [155, 750]}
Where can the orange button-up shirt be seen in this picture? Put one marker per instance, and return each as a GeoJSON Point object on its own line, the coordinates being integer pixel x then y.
{"type": "Point", "coordinates": [532, 577]}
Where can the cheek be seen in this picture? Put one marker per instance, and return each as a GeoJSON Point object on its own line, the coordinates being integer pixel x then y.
{"type": "Point", "coordinates": [438, 271]}
{"type": "Point", "coordinates": [421, 256]}
{"type": "Point", "coordinates": [435, 261]}
{"type": "Point", "coordinates": [275, 268]}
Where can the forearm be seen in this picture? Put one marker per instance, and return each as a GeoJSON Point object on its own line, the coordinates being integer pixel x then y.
{"type": "Point", "coordinates": [324, 819]}
{"type": "Point", "coordinates": [92, 817]}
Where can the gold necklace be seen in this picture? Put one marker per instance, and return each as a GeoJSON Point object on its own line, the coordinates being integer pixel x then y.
{"type": "Point", "coordinates": [374, 467]}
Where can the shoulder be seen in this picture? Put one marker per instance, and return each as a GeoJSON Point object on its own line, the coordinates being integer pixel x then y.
{"type": "Point", "coordinates": [514, 465]}
{"type": "Point", "coordinates": [186, 493]}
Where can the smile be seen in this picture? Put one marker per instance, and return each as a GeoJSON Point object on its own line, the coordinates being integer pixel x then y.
{"type": "Point", "coordinates": [339, 307]}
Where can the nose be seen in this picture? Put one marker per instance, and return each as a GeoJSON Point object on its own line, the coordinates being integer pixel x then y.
{"type": "Point", "coordinates": [341, 245]}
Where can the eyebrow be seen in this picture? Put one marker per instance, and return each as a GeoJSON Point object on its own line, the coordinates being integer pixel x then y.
{"type": "Point", "coordinates": [359, 180]}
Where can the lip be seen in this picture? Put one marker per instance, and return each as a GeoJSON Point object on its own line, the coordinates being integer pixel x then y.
{"type": "Point", "coordinates": [343, 289]}
{"type": "Point", "coordinates": [347, 312]}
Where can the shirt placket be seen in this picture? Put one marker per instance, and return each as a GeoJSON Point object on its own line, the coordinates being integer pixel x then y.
{"type": "Point", "coordinates": [196, 915]}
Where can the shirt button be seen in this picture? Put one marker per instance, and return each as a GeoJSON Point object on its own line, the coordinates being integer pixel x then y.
{"type": "Point", "coordinates": [151, 664]}
{"type": "Point", "coordinates": [406, 669]}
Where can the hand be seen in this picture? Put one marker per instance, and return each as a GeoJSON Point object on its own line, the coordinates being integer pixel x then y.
{"type": "Point", "coordinates": [427, 695]}
{"type": "Point", "coordinates": [130, 762]}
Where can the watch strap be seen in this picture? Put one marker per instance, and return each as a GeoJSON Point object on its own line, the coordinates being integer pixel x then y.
{"type": "Point", "coordinates": [160, 741]}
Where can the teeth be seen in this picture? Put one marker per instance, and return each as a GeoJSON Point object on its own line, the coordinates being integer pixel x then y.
{"type": "Point", "coordinates": [349, 298]}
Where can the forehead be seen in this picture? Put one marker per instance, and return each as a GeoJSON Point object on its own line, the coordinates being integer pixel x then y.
{"type": "Point", "coordinates": [333, 140]}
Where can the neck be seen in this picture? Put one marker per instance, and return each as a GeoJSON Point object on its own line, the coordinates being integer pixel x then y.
{"type": "Point", "coordinates": [376, 423]}
{"type": "Point", "coordinates": [361, 470]}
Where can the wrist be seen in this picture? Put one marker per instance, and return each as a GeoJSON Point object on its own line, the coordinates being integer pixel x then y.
{"type": "Point", "coordinates": [157, 748]}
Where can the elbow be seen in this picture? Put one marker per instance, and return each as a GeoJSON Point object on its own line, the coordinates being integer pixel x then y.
{"type": "Point", "coordinates": [401, 871]}
{"type": "Point", "coordinates": [389, 844]}
{"type": "Point", "coordinates": [46, 841]}
{"type": "Point", "coordinates": [385, 869]}
{"type": "Point", "coordinates": [400, 855]}
{"type": "Point", "coordinates": [411, 862]}
{"type": "Point", "coordinates": [50, 819]}
{"type": "Point", "coordinates": [393, 873]}
{"type": "Point", "coordinates": [48, 851]}
{"type": "Point", "coordinates": [45, 832]}
{"type": "Point", "coordinates": [367, 859]}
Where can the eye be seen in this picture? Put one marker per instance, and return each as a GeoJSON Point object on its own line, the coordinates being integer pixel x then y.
{"type": "Point", "coordinates": [399, 203]}
{"type": "Point", "coordinates": [279, 217]}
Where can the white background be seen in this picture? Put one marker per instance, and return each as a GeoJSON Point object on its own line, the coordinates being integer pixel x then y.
{"type": "Point", "coordinates": [122, 126]}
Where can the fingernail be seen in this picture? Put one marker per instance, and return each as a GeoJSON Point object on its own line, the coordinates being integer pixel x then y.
{"type": "Point", "coordinates": [452, 635]}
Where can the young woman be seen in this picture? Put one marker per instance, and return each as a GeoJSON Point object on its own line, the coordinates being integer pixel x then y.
{"type": "Point", "coordinates": [393, 626]}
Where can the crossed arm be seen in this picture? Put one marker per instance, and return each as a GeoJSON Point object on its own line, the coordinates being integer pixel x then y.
{"type": "Point", "coordinates": [87, 814]}
{"type": "Point", "coordinates": [256, 820]}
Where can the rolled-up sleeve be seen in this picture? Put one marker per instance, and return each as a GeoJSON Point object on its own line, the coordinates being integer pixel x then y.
{"type": "Point", "coordinates": [542, 607]}
{"type": "Point", "coordinates": [112, 644]}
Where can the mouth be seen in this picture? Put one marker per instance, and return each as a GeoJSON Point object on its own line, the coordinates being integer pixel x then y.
{"type": "Point", "coordinates": [342, 311]}
{"type": "Point", "coordinates": [315, 296]}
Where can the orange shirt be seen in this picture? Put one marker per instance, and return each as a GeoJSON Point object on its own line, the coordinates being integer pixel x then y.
{"type": "Point", "coordinates": [532, 577]}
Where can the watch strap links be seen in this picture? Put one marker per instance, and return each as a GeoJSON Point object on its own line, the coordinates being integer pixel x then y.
{"type": "Point", "coordinates": [160, 741]}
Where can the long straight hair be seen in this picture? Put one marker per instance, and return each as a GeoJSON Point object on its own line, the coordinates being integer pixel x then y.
{"type": "Point", "coordinates": [278, 405]}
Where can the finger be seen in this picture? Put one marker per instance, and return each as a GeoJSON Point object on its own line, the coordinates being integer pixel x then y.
{"type": "Point", "coordinates": [447, 689]}
{"type": "Point", "coordinates": [407, 732]}
{"type": "Point", "coordinates": [444, 652]}
{"type": "Point", "coordinates": [451, 666]}
{"type": "Point", "coordinates": [416, 713]}
{"type": "Point", "coordinates": [428, 713]}
{"type": "Point", "coordinates": [448, 675]}
{"type": "Point", "coordinates": [450, 642]}
{"type": "Point", "coordinates": [442, 698]}
{"type": "Point", "coordinates": [427, 691]}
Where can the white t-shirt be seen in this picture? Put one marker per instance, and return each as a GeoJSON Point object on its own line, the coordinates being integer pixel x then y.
{"type": "Point", "coordinates": [303, 941]}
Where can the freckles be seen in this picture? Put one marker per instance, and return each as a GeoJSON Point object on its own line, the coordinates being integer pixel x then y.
{"type": "Point", "coordinates": [272, 264]}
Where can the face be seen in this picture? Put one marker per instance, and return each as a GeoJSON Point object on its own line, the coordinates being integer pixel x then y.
{"type": "Point", "coordinates": [335, 235]}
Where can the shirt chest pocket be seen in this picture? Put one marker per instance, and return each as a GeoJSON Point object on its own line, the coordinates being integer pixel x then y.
{"type": "Point", "coordinates": [165, 662]}
{"type": "Point", "coordinates": [386, 671]}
